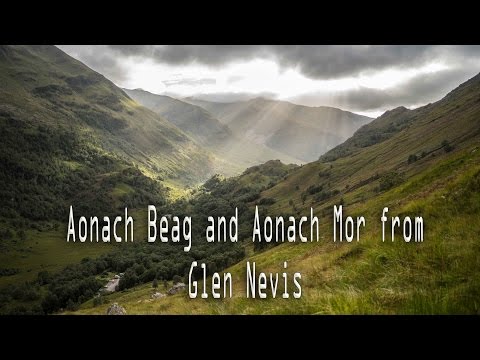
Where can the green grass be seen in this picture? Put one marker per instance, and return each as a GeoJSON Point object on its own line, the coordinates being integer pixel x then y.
{"type": "Point", "coordinates": [121, 190]}
{"type": "Point", "coordinates": [45, 250]}
{"type": "Point", "coordinates": [439, 276]}
{"type": "Point", "coordinates": [63, 93]}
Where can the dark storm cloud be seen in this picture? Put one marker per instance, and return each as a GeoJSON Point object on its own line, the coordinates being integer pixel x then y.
{"type": "Point", "coordinates": [212, 55]}
{"type": "Point", "coordinates": [421, 89]}
{"type": "Point", "coordinates": [190, 82]}
{"type": "Point", "coordinates": [314, 61]}
{"type": "Point", "coordinates": [100, 59]}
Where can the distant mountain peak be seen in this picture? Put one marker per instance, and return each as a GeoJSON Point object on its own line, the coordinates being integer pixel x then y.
{"type": "Point", "coordinates": [396, 111]}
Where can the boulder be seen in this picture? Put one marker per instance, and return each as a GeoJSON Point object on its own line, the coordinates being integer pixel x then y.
{"type": "Point", "coordinates": [157, 295]}
{"type": "Point", "coordinates": [116, 309]}
{"type": "Point", "coordinates": [176, 288]}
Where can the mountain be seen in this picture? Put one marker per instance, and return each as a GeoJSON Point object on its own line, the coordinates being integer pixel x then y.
{"type": "Point", "coordinates": [300, 131]}
{"type": "Point", "coordinates": [70, 137]}
{"type": "Point", "coordinates": [193, 120]}
{"type": "Point", "coordinates": [233, 152]}
{"type": "Point", "coordinates": [401, 141]}
{"type": "Point", "coordinates": [420, 162]}
{"type": "Point", "coordinates": [44, 87]}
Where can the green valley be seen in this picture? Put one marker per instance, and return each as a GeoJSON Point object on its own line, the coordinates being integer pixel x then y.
{"type": "Point", "coordinates": [427, 163]}
{"type": "Point", "coordinates": [71, 137]}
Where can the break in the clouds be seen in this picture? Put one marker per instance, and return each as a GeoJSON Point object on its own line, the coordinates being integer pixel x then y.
{"type": "Point", "coordinates": [367, 79]}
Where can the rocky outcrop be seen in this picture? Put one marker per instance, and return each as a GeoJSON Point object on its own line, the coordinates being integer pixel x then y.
{"type": "Point", "coordinates": [158, 295]}
{"type": "Point", "coordinates": [177, 288]}
{"type": "Point", "coordinates": [116, 309]}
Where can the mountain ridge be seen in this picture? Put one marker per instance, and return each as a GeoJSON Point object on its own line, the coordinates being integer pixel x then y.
{"type": "Point", "coordinates": [302, 131]}
{"type": "Point", "coordinates": [234, 153]}
{"type": "Point", "coordinates": [194, 99]}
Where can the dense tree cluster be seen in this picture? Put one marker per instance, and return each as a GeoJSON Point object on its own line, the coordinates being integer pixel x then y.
{"type": "Point", "coordinates": [140, 263]}
{"type": "Point", "coordinates": [44, 170]}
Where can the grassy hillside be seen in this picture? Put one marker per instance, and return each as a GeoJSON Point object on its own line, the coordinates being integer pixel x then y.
{"type": "Point", "coordinates": [299, 131]}
{"type": "Point", "coordinates": [44, 274]}
{"type": "Point", "coordinates": [44, 87]}
{"type": "Point", "coordinates": [71, 137]}
{"type": "Point", "coordinates": [420, 138]}
{"type": "Point", "coordinates": [427, 164]}
{"type": "Point", "coordinates": [439, 276]}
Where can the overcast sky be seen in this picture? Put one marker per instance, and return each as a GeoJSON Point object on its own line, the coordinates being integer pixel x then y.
{"type": "Point", "coordinates": [363, 79]}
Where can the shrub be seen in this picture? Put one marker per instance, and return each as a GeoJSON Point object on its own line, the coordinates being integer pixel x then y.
{"type": "Point", "coordinates": [97, 300]}
{"type": "Point", "coordinates": [71, 306]}
{"type": "Point", "coordinates": [267, 201]}
{"type": "Point", "coordinates": [446, 146]}
{"type": "Point", "coordinates": [389, 180]}
{"type": "Point", "coordinates": [312, 189]}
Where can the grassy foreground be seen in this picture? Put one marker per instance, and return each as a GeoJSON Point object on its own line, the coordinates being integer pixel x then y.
{"type": "Point", "coordinates": [439, 276]}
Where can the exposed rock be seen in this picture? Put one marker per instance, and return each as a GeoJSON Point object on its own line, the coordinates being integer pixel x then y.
{"type": "Point", "coordinates": [177, 288]}
{"type": "Point", "coordinates": [116, 309]}
{"type": "Point", "coordinates": [158, 295]}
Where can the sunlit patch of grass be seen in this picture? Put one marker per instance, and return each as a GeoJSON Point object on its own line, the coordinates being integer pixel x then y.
{"type": "Point", "coordinates": [46, 250]}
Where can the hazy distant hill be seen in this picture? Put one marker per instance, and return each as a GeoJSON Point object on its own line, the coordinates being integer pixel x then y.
{"type": "Point", "coordinates": [299, 131]}
{"type": "Point", "coordinates": [234, 152]}
{"type": "Point", "coordinates": [194, 120]}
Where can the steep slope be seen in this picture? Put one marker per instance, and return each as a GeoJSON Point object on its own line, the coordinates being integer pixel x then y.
{"type": "Point", "coordinates": [380, 129]}
{"type": "Point", "coordinates": [233, 152]}
{"type": "Point", "coordinates": [71, 137]}
{"type": "Point", "coordinates": [300, 131]}
{"type": "Point", "coordinates": [402, 142]}
{"type": "Point", "coordinates": [194, 120]}
{"type": "Point", "coordinates": [423, 162]}
{"type": "Point", "coordinates": [42, 86]}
